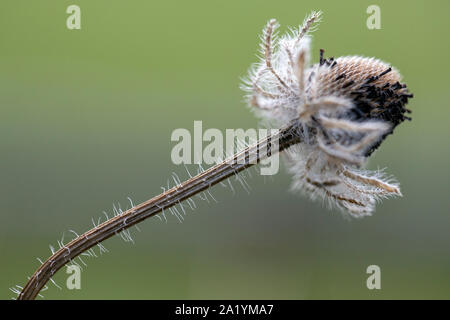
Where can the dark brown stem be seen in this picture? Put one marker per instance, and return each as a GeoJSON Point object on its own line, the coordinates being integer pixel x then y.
{"type": "Point", "coordinates": [242, 160]}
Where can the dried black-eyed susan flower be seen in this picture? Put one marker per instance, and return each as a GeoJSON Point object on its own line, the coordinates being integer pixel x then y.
{"type": "Point", "coordinates": [345, 108]}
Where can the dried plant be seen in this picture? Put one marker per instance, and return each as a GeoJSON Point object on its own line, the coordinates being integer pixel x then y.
{"type": "Point", "coordinates": [346, 107]}
{"type": "Point", "coordinates": [332, 115]}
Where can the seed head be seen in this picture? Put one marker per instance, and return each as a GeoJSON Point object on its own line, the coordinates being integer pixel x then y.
{"type": "Point", "coordinates": [345, 108]}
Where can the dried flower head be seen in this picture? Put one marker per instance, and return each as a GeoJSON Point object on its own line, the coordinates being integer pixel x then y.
{"type": "Point", "coordinates": [345, 108]}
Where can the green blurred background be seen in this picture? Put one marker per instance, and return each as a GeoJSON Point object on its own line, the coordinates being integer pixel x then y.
{"type": "Point", "coordinates": [86, 118]}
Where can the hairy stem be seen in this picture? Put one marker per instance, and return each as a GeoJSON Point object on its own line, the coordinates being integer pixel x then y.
{"type": "Point", "coordinates": [242, 160]}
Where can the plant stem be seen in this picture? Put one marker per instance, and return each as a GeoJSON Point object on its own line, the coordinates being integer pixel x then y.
{"type": "Point", "coordinates": [242, 160]}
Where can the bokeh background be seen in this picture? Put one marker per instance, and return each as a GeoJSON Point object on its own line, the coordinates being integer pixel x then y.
{"type": "Point", "coordinates": [86, 118]}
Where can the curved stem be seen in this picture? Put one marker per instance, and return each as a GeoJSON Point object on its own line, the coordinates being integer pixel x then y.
{"type": "Point", "coordinates": [242, 160]}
